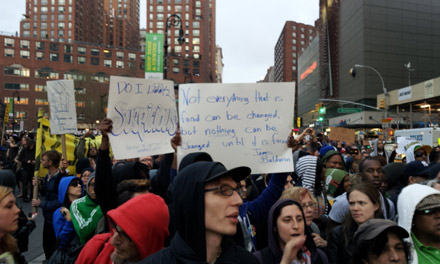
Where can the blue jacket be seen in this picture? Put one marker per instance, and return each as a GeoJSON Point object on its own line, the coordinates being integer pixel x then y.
{"type": "Point", "coordinates": [254, 214]}
{"type": "Point", "coordinates": [64, 230]}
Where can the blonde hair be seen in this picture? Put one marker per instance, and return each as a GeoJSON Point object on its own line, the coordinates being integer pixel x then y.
{"type": "Point", "coordinates": [7, 242]}
{"type": "Point", "coordinates": [296, 194]}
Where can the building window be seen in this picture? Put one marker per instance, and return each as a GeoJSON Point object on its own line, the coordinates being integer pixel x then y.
{"type": "Point", "coordinates": [26, 25]}
{"type": "Point", "coordinates": [176, 70]}
{"type": "Point", "coordinates": [80, 90]}
{"type": "Point", "coordinates": [196, 41]}
{"type": "Point", "coordinates": [68, 48]}
{"type": "Point", "coordinates": [131, 65]}
{"type": "Point", "coordinates": [198, 4]}
{"type": "Point", "coordinates": [119, 54]}
{"type": "Point", "coordinates": [160, 24]}
{"type": "Point", "coordinates": [159, 16]}
{"type": "Point", "coordinates": [43, 9]}
{"type": "Point", "coordinates": [43, 17]}
{"type": "Point", "coordinates": [196, 72]}
{"type": "Point", "coordinates": [196, 24]}
{"type": "Point", "coordinates": [41, 101]}
{"type": "Point", "coordinates": [25, 54]}
{"type": "Point", "coordinates": [60, 17]}
{"type": "Point", "coordinates": [74, 76]}
{"type": "Point", "coordinates": [95, 61]}
{"type": "Point", "coordinates": [9, 42]}
{"type": "Point", "coordinates": [120, 64]}
{"type": "Point", "coordinates": [107, 53]}
{"type": "Point", "coordinates": [46, 74]}
{"type": "Point", "coordinates": [23, 72]}
{"type": "Point", "coordinates": [43, 34]}
{"type": "Point", "coordinates": [40, 88]}
{"type": "Point", "coordinates": [54, 57]}
{"type": "Point", "coordinates": [81, 104]}
{"type": "Point", "coordinates": [196, 64]}
{"type": "Point", "coordinates": [160, 8]}
{"type": "Point", "coordinates": [17, 86]}
{"type": "Point", "coordinates": [26, 33]}
{"type": "Point", "coordinates": [132, 56]}
{"type": "Point", "coordinates": [81, 60]}
{"type": "Point", "coordinates": [107, 63]}
{"type": "Point", "coordinates": [68, 58]}
{"type": "Point", "coordinates": [82, 50]}
{"type": "Point", "coordinates": [294, 41]}
{"type": "Point", "coordinates": [196, 32]}
{"type": "Point", "coordinates": [9, 53]}
{"type": "Point", "coordinates": [94, 52]}
{"type": "Point", "coordinates": [39, 55]}
{"type": "Point", "coordinates": [61, 25]}
{"type": "Point", "coordinates": [53, 46]}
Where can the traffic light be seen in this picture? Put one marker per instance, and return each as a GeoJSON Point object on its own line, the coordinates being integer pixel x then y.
{"type": "Point", "coordinates": [322, 110]}
{"type": "Point", "coordinates": [321, 118]}
{"type": "Point", "coordinates": [299, 122]}
{"type": "Point", "coordinates": [318, 106]}
{"type": "Point", "coordinates": [382, 104]}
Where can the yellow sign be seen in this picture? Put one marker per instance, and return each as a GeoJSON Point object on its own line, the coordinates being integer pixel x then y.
{"type": "Point", "coordinates": [6, 117]}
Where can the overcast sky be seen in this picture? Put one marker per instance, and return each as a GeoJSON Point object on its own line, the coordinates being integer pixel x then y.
{"type": "Point", "coordinates": [247, 31]}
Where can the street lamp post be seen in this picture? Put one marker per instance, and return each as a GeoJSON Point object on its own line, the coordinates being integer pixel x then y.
{"type": "Point", "coordinates": [353, 73]}
{"type": "Point", "coordinates": [172, 21]}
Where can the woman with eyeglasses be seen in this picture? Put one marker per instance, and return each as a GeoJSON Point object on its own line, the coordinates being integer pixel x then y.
{"type": "Point", "coordinates": [308, 203]}
{"type": "Point", "coordinates": [69, 189]}
{"type": "Point", "coordinates": [290, 241]}
{"type": "Point", "coordinates": [364, 204]}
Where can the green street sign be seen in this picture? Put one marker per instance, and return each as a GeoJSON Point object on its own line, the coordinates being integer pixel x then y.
{"type": "Point", "coordinates": [349, 110]}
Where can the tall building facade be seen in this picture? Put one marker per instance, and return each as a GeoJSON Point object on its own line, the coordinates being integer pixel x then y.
{"type": "Point", "coordinates": [111, 23]}
{"type": "Point", "coordinates": [195, 59]}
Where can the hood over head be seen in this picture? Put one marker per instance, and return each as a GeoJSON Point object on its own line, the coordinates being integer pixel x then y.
{"type": "Point", "coordinates": [408, 200]}
{"type": "Point", "coordinates": [189, 201]}
{"type": "Point", "coordinates": [394, 173]}
{"type": "Point", "coordinates": [128, 171]}
{"type": "Point", "coordinates": [145, 220]}
{"type": "Point", "coordinates": [273, 243]}
{"type": "Point", "coordinates": [330, 153]}
{"type": "Point", "coordinates": [64, 186]}
{"type": "Point", "coordinates": [309, 169]}
{"type": "Point", "coordinates": [194, 157]}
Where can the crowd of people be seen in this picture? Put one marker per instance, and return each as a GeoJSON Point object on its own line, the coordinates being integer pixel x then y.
{"type": "Point", "coordinates": [341, 204]}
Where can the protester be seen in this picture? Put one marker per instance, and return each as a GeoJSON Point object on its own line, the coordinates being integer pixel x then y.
{"type": "Point", "coordinates": [419, 213]}
{"type": "Point", "coordinates": [290, 241]}
{"type": "Point", "coordinates": [86, 213]}
{"type": "Point", "coordinates": [417, 151]}
{"type": "Point", "coordinates": [364, 204]}
{"type": "Point", "coordinates": [147, 160]}
{"type": "Point", "coordinates": [138, 229]}
{"type": "Point", "coordinates": [92, 152]}
{"type": "Point", "coordinates": [8, 223]}
{"type": "Point", "coordinates": [416, 172]}
{"type": "Point", "coordinates": [304, 197]}
{"type": "Point", "coordinates": [333, 159]}
{"type": "Point", "coordinates": [206, 198]}
{"type": "Point", "coordinates": [396, 180]}
{"type": "Point", "coordinates": [27, 159]}
{"type": "Point", "coordinates": [48, 188]}
{"type": "Point", "coordinates": [85, 174]}
{"type": "Point", "coordinates": [335, 183]}
{"type": "Point", "coordinates": [381, 241]}
{"type": "Point", "coordinates": [12, 152]}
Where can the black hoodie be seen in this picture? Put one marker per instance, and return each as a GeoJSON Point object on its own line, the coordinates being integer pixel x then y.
{"type": "Point", "coordinates": [189, 243]}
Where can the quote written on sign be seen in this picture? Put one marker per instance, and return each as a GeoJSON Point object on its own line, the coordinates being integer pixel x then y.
{"type": "Point", "coordinates": [144, 116]}
{"type": "Point", "coordinates": [238, 124]}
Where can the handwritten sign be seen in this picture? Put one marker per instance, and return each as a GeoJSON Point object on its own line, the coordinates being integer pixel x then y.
{"type": "Point", "coordinates": [342, 134]}
{"type": "Point", "coordinates": [144, 116]}
{"type": "Point", "coordinates": [61, 97]}
{"type": "Point", "coordinates": [238, 124]}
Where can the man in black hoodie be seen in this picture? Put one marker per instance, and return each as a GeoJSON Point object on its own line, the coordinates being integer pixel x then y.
{"type": "Point", "coordinates": [206, 198]}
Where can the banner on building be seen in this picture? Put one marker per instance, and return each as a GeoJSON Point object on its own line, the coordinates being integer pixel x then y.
{"type": "Point", "coordinates": [61, 97]}
{"type": "Point", "coordinates": [239, 124]}
{"type": "Point", "coordinates": [144, 116]}
{"type": "Point", "coordinates": [154, 56]}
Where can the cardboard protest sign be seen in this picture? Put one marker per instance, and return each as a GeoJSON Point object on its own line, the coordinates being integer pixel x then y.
{"type": "Point", "coordinates": [238, 124]}
{"type": "Point", "coordinates": [144, 116]}
{"type": "Point", "coordinates": [61, 97]}
{"type": "Point", "coordinates": [342, 134]}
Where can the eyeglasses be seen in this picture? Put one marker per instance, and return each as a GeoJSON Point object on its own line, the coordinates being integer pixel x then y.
{"type": "Point", "coordinates": [118, 230]}
{"type": "Point", "coordinates": [429, 211]}
{"type": "Point", "coordinates": [420, 154]}
{"type": "Point", "coordinates": [75, 183]}
{"type": "Point", "coordinates": [226, 190]}
{"type": "Point", "coordinates": [307, 205]}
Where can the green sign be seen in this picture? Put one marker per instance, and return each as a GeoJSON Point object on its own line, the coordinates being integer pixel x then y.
{"type": "Point", "coordinates": [154, 56]}
{"type": "Point", "coordinates": [349, 110]}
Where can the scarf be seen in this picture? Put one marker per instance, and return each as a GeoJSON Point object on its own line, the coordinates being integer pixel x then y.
{"type": "Point", "coordinates": [85, 217]}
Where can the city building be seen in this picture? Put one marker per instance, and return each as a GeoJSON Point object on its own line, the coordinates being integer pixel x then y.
{"type": "Point", "coordinates": [219, 64]}
{"type": "Point", "coordinates": [292, 41]}
{"type": "Point", "coordinates": [26, 65]}
{"type": "Point", "coordinates": [195, 59]}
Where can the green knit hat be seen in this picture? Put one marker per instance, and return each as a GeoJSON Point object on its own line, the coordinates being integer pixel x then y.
{"type": "Point", "coordinates": [333, 178]}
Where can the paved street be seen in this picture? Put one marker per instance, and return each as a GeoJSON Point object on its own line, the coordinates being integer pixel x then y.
{"type": "Point", "coordinates": [35, 254]}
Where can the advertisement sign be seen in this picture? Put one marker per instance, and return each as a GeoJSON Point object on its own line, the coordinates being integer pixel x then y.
{"type": "Point", "coordinates": [154, 56]}
{"type": "Point", "coordinates": [405, 93]}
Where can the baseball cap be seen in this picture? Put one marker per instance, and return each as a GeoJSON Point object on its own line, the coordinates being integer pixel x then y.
{"type": "Point", "coordinates": [427, 148]}
{"type": "Point", "coordinates": [374, 227]}
{"type": "Point", "coordinates": [219, 170]}
{"type": "Point", "coordinates": [417, 168]}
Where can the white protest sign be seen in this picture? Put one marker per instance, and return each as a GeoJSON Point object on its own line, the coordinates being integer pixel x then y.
{"type": "Point", "coordinates": [61, 97]}
{"type": "Point", "coordinates": [402, 142]}
{"type": "Point", "coordinates": [238, 124]}
{"type": "Point", "coordinates": [144, 116]}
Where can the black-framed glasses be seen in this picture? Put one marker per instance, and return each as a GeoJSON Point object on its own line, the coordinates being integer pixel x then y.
{"type": "Point", "coordinates": [226, 190]}
{"type": "Point", "coordinates": [75, 183]}
{"type": "Point", "coordinates": [118, 230]}
{"type": "Point", "coordinates": [429, 211]}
